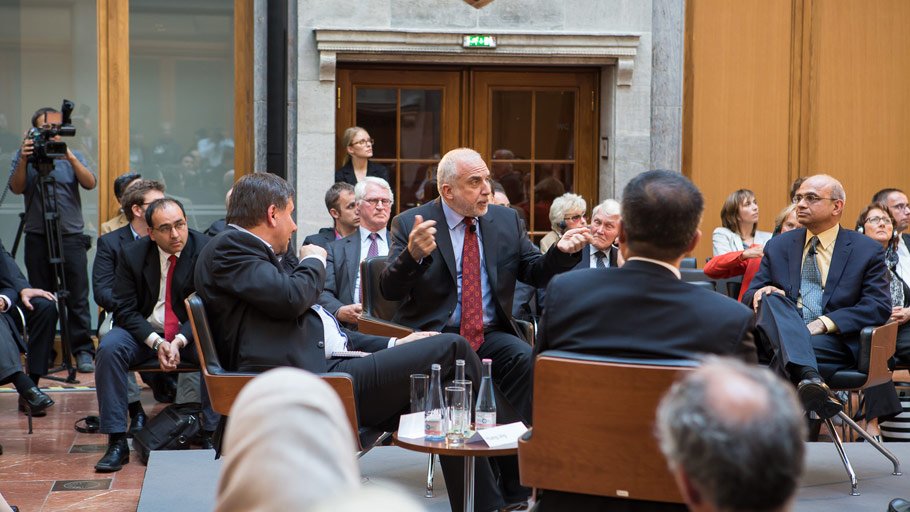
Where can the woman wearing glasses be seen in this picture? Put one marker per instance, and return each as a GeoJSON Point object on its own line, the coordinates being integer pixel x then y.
{"type": "Point", "coordinates": [739, 217]}
{"type": "Point", "coordinates": [566, 212]}
{"type": "Point", "coordinates": [877, 223]}
{"type": "Point", "coordinates": [357, 165]}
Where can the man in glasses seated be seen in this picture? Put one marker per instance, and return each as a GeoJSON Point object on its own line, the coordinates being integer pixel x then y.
{"type": "Point", "coordinates": [816, 289]}
{"type": "Point", "coordinates": [341, 296]}
{"type": "Point", "coordinates": [896, 201]}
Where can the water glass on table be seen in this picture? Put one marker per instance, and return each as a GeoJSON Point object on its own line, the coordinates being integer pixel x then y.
{"type": "Point", "coordinates": [468, 401]}
{"type": "Point", "coordinates": [419, 384]}
{"type": "Point", "coordinates": [455, 415]}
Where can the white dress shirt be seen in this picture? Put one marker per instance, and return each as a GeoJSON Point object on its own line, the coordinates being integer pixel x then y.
{"type": "Point", "coordinates": [156, 319]}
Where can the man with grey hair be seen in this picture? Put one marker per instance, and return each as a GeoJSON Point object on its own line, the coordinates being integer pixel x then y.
{"type": "Point", "coordinates": [604, 230]}
{"type": "Point", "coordinates": [454, 263]}
{"type": "Point", "coordinates": [733, 438]}
{"type": "Point", "coordinates": [818, 286]}
{"type": "Point", "coordinates": [341, 295]}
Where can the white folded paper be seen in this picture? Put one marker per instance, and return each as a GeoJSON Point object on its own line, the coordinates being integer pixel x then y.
{"type": "Point", "coordinates": [411, 426]}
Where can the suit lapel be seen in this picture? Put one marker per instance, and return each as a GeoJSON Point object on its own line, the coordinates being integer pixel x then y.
{"type": "Point", "coordinates": [614, 260]}
{"type": "Point", "coordinates": [842, 249]}
{"type": "Point", "coordinates": [585, 258]}
{"type": "Point", "coordinates": [151, 271]}
{"type": "Point", "coordinates": [444, 241]}
{"type": "Point", "coordinates": [489, 234]}
{"type": "Point", "coordinates": [795, 258]}
{"type": "Point", "coordinates": [182, 273]}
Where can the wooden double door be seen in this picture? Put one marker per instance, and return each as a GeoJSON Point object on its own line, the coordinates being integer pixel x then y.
{"type": "Point", "coordinates": [536, 128]}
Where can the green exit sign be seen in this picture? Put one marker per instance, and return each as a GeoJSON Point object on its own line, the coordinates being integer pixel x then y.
{"type": "Point", "coordinates": [479, 41]}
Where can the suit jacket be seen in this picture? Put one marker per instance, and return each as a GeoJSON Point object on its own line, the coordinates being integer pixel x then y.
{"type": "Point", "coordinates": [642, 310]}
{"type": "Point", "coordinates": [323, 238]}
{"type": "Point", "coordinates": [428, 290]}
{"type": "Point", "coordinates": [856, 291]}
{"type": "Point", "coordinates": [137, 281]}
{"type": "Point", "coordinates": [260, 313]}
{"type": "Point", "coordinates": [346, 172]}
{"type": "Point", "coordinates": [586, 257]}
{"type": "Point", "coordinates": [217, 227]}
{"type": "Point", "coordinates": [12, 282]}
{"type": "Point", "coordinates": [105, 265]}
{"type": "Point", "coordinates": [342, 265]}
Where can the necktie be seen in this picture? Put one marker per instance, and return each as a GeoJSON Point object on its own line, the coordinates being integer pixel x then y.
{"type": "Point", "coordinates": [810, 286]}
{"type": "Point", "coordinates": [471, 296]}
{"type": "Point", "coordinates": [599, 259]}
{"type": "Point", "coordinates": [374, 247]}
{"type": "Point", "coordinates": [171, 324]}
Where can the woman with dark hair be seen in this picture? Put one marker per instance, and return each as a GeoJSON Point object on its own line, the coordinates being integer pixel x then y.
{"type": "Point", "coordinates": [357, 164]}
{"type": "Point", "coordinates": [876, 222]}
{"type": "Point", "coordinates": [736, 263]}
{"type": "Point", "coordinates": [739, 217]}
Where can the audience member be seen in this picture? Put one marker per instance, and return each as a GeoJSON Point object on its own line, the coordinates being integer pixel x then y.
{"type": "Point", "coordinates": [341, 295]}
{"type": "Point", "coordinates": [153, 278]}
{"type": "Point", "coordinates": [219, 225]}
{"type": "Point", "coordinates": [460, 276]}
{"type": "Point", "coordinates": [357, 165]}
{"type": "Point", "coordinates": [605, 219]}
{"type": "Point", "coordinates": [733, 437]}
{"type": "Point", "coordinates": [41, 313]}
{"type": "Point", "coordinates": [876, 222]}
{"type": "Point", "coordinates": [290, 447]}
{"type": "Point", "coordinates": [524, 305]}
{"type": "Point", "coordinates": [739, 216]}
{"type": "Point", "coordinates": [264, 316]}
{"type": "Point", "coordinates": [69, 175]}
{"type": "Point", "coordinates": [121, 183]}
{"type": "Point", "coordinates": [134, 202]}
{"type": "Point", "coordinates": [340, 202]}
{"type": "Point", "coordinates": [896, 201]}
{"type": "Point", "coordinates": [740, 263]}
{"type": "Point", "coordinates": [566, 212]}
{"type": "Point", "coordinates": [810, 321]}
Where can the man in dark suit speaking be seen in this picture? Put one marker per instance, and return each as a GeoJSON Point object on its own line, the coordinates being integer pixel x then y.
{"type": "Point", "coordinates": [154, 275]}
{"type": "Point", "coordinates": [816, 289]}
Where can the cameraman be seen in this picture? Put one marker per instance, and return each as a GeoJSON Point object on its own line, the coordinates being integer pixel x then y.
{"type": "Point", "coordinates": [69, 174]}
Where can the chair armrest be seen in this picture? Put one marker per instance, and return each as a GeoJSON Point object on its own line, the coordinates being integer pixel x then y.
{"type": "Point", "coordinates": [876, 348]}
{"type": "Point", "coordinates": [379, 327]}
{"type": "Point", "coordinates": [527, 329]}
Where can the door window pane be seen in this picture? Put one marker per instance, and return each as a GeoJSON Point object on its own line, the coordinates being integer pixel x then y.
{"type": "Point", "coordinates": [182, 101]}
{"type": "Point", "coordinates": [421, 116]}
{"type": "Point", "coordinates": [550, 182]}
{"type": "Point", "coordinates": [376, 114]}
{"type": "Point", "coordinates": [554, 125]}
{"type": "Point", "coordinates": [511, 122]}
{"type": "Point", "coordinates": [418, 184]}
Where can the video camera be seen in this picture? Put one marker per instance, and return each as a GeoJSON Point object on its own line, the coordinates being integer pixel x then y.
{"type": "Point", "coordinates": [45, 148]}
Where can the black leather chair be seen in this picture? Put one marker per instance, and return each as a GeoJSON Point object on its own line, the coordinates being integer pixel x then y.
{"type": "Point", "coordinates": [688, 263]}
{"type": "Point", "coordinates": [876, 348]}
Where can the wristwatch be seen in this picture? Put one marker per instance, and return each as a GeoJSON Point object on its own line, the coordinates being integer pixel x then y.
{"type": "Point", "coordinates": [157, 344]}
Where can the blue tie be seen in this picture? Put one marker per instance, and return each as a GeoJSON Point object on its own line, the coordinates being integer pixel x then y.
{"type": "Point", "coordinates": [810, 285]}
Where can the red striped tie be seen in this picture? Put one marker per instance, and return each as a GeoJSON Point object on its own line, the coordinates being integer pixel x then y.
{"type": "Point", "coordinates": [471, 296]}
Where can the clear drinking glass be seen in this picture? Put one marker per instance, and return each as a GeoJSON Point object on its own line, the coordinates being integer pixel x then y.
{"type": "Point", "coordinates": [455, 415]}
{"type": "Point", "coordinates": [419, 384]}
{"type": "Point", "coordinates": [468, 401]}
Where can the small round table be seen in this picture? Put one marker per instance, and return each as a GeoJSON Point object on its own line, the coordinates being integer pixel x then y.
{"type": "Point", "coordinates": [468, 451]}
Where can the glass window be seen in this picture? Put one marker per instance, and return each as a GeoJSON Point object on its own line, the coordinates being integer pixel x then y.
{"type": "Point", "coordinates": [49, 53]}
{"type": "Point", "coordinates": [182, 101]}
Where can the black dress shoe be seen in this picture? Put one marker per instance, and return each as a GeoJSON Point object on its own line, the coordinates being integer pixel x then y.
{"type": "Point", "coordinates": [207, 440]}
{"type": "Point", "coordinates": [137, 423]}
{"type": "Point", "coordinates": [117, 454]}
{"type": "Point", "coordinates": [899, 505]}
{"type": "Point", "coordinates": [815, 396]}
{"type": "Point", "coordinates": [34, 399]}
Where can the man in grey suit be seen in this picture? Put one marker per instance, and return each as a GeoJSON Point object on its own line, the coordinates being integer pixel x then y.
{"type": "Point", "coordinates": [341, 295]}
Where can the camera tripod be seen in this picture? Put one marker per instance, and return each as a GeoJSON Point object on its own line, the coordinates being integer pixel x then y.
{"type": "Point", "coordinates": [56, 258]}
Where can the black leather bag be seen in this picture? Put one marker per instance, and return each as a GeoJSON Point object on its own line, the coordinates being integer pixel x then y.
{"type": "Point", "coordinates": [171, 429]}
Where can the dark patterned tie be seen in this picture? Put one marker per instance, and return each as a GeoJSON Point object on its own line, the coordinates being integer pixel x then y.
{"type": "Point", "coordinates": [374, 247]}
{"type": "Point", "coordinates": [471, 296]}
{"type": "Point", "coordinates": [810, 285]}
{"type": "Point", "coordinates": [599, 259]}
{"type": "Point", "coordinates": [171, 324]}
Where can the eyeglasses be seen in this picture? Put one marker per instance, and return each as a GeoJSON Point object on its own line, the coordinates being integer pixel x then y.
{"type": "Point", "coordinates": [362, 142]}
{"type": "Point", "coordinates": [876, 220]}
{"type": "Point", "coordinates": [574, 218]}
{"type": "Point", "coordinates": [810, 198]}
{"type": "Point", "coordinates": [901, 207]}
{"type": "Point", "coordinates": [377, 201]}
{"type": "Point", "coordinates": [165, 229]}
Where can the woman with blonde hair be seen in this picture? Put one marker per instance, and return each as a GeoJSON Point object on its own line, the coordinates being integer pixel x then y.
{"type": "Point", "coordinates": [739, 217]}
{"type": "Point", "coordinates": [357, 165]}
{"type": "Point", "coordinates": [566, 212]}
